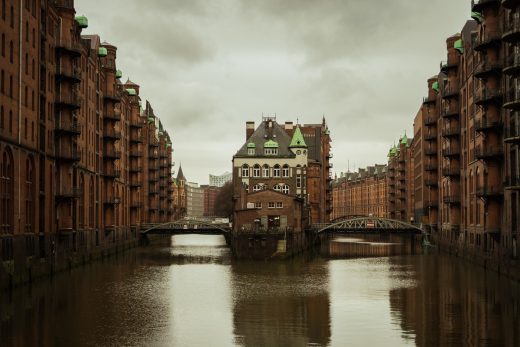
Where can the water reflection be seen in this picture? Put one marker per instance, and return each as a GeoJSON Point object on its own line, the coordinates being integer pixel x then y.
{"type": "Point", "coordinates": [189, 292]}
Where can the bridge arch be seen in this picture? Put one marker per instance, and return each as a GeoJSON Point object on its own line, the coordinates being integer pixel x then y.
{"type": "Point", "coordinates": [367, 224]}
{"type": "Point", "coordinates": [187, 226]}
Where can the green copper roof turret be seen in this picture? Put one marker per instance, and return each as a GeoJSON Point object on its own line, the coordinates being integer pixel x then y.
{"type": "Point", "coordinates": [435, 86]}
{"type": "Point", "coordinates": [102, 52]}
{"type": "Point", "coordinates": [251, 145]}
{"type": "Point", "coordinates": [404, 140]}
{"type": "Point", "coordinates": [82, 21]}
{"type": "Point", "coordinates": [459, 46]}
{"type": "Point", "coordinates": [297, 140]}
{"type": "Point", "coordinates": [477, 16]}
{"type": "Point", "coordinates": [131, 91]}
{"type": "Point", "coordinates": [119, 73]}
{"type": "Point", "coordinates": [271, 144]}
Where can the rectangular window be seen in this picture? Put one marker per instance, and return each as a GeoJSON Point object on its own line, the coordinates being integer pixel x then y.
{"type": "Point", "coordinates": [245, 171]}
{"type": "Point", "coordinates": [258, 204]}
{"type": "Point", "coordinates": [265, 171]}
{"type": "Point", "coordinates": [251, 151]}
{"type": "Point", "coordinates": [299, 181]}
{"type": "Point", "coordinates": [271, 205]}
{"type": "Point", "coordinates": [285, 172]}
{"type": "Point", "coordinates": [279, 205]}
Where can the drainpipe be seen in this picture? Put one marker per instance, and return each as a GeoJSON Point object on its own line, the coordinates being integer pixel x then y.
{"type": "Point", "coordinates": [20, 39]}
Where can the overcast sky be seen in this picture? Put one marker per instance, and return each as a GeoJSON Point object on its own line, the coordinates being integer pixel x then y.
{"type": "Point", "coordinates": [209, 66]}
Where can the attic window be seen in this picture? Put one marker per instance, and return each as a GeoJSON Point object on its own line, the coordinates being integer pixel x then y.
{"type": "Point", "coordinates": [271, 151]}
{"type": "Point", "coordinates": [251, 151]}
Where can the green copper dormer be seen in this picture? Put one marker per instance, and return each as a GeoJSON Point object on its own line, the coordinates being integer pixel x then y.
{"type": "Point", "coordinates": [131, 91]}
{"type": "Point", "coordinates": [404, 140]}
{"type": "Point", "coordinates": [435, 86]}
{"type": "Point", "coordinates": [251, 145]}
{"type": "Point", "coordinates": [119, 73]}
{"type": "Point", "coordinates": [459, 46]}
{"type": "Point", "coordinates": [82, 21]}
{"type": "Point", "coordinates": [271, 144]}
{"type": "Point", "coordinates": [477, 16]}
{"type": "Point", "coordinates": [297, 140]}
{"type": "Point", "coordinates": [151, 119]}
{"type": "Point", "coordinates": [102, 52]}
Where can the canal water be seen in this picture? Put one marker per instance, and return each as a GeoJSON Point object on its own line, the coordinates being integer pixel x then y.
{"type": "Point", "coordinates": [189, 292]}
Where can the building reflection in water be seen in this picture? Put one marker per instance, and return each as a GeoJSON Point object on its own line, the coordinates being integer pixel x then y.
{"type": "Point", "coordinates": [281, 303]}
{"type": "Point", "coordinates": [454, 303]}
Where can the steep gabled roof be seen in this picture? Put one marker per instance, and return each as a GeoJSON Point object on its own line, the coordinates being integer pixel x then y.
{"type": "Point", "coordinates": [297, 140]}
{"type": "Point", "coordinates": [266, 137]}
{"type": "Point", "coordinates": [180, 175]}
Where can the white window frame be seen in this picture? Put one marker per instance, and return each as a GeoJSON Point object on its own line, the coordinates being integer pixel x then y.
{"type": "Point", "coordinates": [245, 170]}
{"type": "Point", "coordinates": [285, 189]}
{"type": "Point", "coordinates": [265, 171]}
{"type": "Point", "coordinates": [256, 171]}
{"type": "Point", "coordinates": [285, 171]}
{"type": "Point", "coordinates": [271, 204]}
{"type": "Point", "coordinates": [257, 188]}
{"type": "Point", "coordinates": [251, 151]}
{"type": "Point", "coordinates": [298, 181]}
{"type": "Point", "coordinates": [258, 204]}
{"type": "Point", "coordinates": [279, 204]}
{"type": "Point", "coordinates": [276, 171]}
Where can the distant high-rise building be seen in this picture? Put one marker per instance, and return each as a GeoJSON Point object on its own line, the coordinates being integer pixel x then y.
{"type": "Point", "coordinates": [194, 200]}
{"type": "Point", "coordinates": [219, 181]}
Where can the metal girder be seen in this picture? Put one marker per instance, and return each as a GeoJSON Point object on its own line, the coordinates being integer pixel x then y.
{"type": "Point", "coordinates": [190, 225]}
{"type": "Point", "coordinates": [367, 224]}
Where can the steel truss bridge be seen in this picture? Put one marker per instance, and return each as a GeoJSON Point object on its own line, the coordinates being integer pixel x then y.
{"type": "Point", "coordinates": [186, 226]}
{"type": "Point", "coordinates": [366, 225]}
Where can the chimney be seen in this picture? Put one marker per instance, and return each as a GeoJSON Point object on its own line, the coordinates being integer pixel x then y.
{"type": "Point", "coordinates": [289, 126]}
{"type": "Point", "coordinates": [250, 129]}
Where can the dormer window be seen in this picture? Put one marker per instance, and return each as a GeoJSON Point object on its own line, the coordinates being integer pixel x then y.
{"type": "Point", "coordinates": [251, 148]}
{"type": "Point", "coordinates": [271, 147]}
{"type": "Point", "coordinates": [271, 151]}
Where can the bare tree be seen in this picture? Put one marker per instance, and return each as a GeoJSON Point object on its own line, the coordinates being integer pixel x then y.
{"type": "Point", "coordinates": [224, 201]}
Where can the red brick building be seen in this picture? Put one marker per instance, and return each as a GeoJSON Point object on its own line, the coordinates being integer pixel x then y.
{"type": "Point", "coordinates": [210, 195]}
{"type": "Point", "coordinates": [362, 193]}
{"type": "Point", "coordinates": [73, 169]}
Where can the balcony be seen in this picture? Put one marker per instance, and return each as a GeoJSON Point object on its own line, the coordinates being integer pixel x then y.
{"type": "Point", "coordinates": [73, 129]}
{"type": "Point", "coordinates": [430, 121]}
{"type": "Point", "coordinates": [111, 96]}
{"type": "Point", "coordinates": [450, 91]}
{"type": "Point", "coordinates": [112, 200]}
{"type": "Point", "coordinates": [135, 153]}
{"type": "Point", "coordinates": [511, 31]}
{"type": "Point", "coordinates": [112, 134]}
{"type": "Point", "coordinates": [445, 66]}
{"type": "Point", "coordinates": [449, 112]}
{"type": "Point", "coordinates": [431, 183]}
{"type": "Point", "coordinates": [451, 132]}
{"type": "Point", "coordinates": [71, 155]}
{"type": "Point", "coordinates": [429, 100]}
{"type": "Point", "coordinates": [485, 125]}
{"type": "Point", "coordinates": [430, 136]}
{"type": "Point", "coordinates": [512, 182]}
{"type": "Point", "coordinates": [68, 193]}
{"type": "Point", "coordinates": [512, 99]}
{"type": "Point", "coordinates": [488, 153]}
{"type": "Point", "coordinates": [72, 75]}
{"type": "Point", "coordinates": [488, 95]}
{"type": "Point", "coordinates": [110, 153]}
{"type": "Point", "coordinates": [68, 101]}
{"type": "Point", "coordinates": [114, 115]}
{"type": "Point", "coordinates": [137, 124]}
{"type": "Point", "coordinates": [451, 199]}
{"type": "Point", "coordinates": [489, 192]}
{"type": "Point", "coordinates": [432, 204]}
{"type": "Point", "coordinates": [451, 171]}
{"type": "Point", "coordinates": [136, 138]}
{"type": "Point", "coordinates": [450, 152]}
{"type": "Point", "coordinates": [487, 39]}
{"type": "Point", "coordinates": [134, 169]}
{"type": "Point", "coordinates": [430, 151]}
{"type": "Point", "coordinates": [71, 48]}
{"type": "Point", "coordinates": [112, 173]}
{"type": "Point", "coordinates": [512, 65]}
{"type": "Point", "coordinates": [486, 68]}
{"type": "Point", "coordinates": [512, 134]}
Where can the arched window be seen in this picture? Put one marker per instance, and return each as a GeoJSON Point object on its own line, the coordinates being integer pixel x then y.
{"type": "Point", "coordinates": [276, 171]}
{"type": "Point", "coordinates": [6, 192]}
{"type": "Point", "coordinates": [256, 170]}
{"type": "Point", "coordinates": [265, 171]}
{"type": "Point", "coordinates": [257, 188]}
{"type": "Point", "coordinates": [285, 171]}
{"type": "Point", "coordinates": [91, 201]}
{"type": "Point", "coordinates": [81, 204]}
{"type": "Point", "coordinates": [245, 170]}
{"type": "Point", "coordinates": [285, 189]}
{"type": "Point", "coordinates": [29, 195]}
{"type": "Point", "coordinates": [277, 188]}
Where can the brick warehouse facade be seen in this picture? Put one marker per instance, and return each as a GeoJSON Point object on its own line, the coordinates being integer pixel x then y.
{"type": "Point", "coordinates": [82, 165]}
{"type": "Point", "coordinates": [361, 193]}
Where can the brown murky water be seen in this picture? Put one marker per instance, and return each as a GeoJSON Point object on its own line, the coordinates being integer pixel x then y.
{"type": "Point", "coordinates": [192, 294]}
